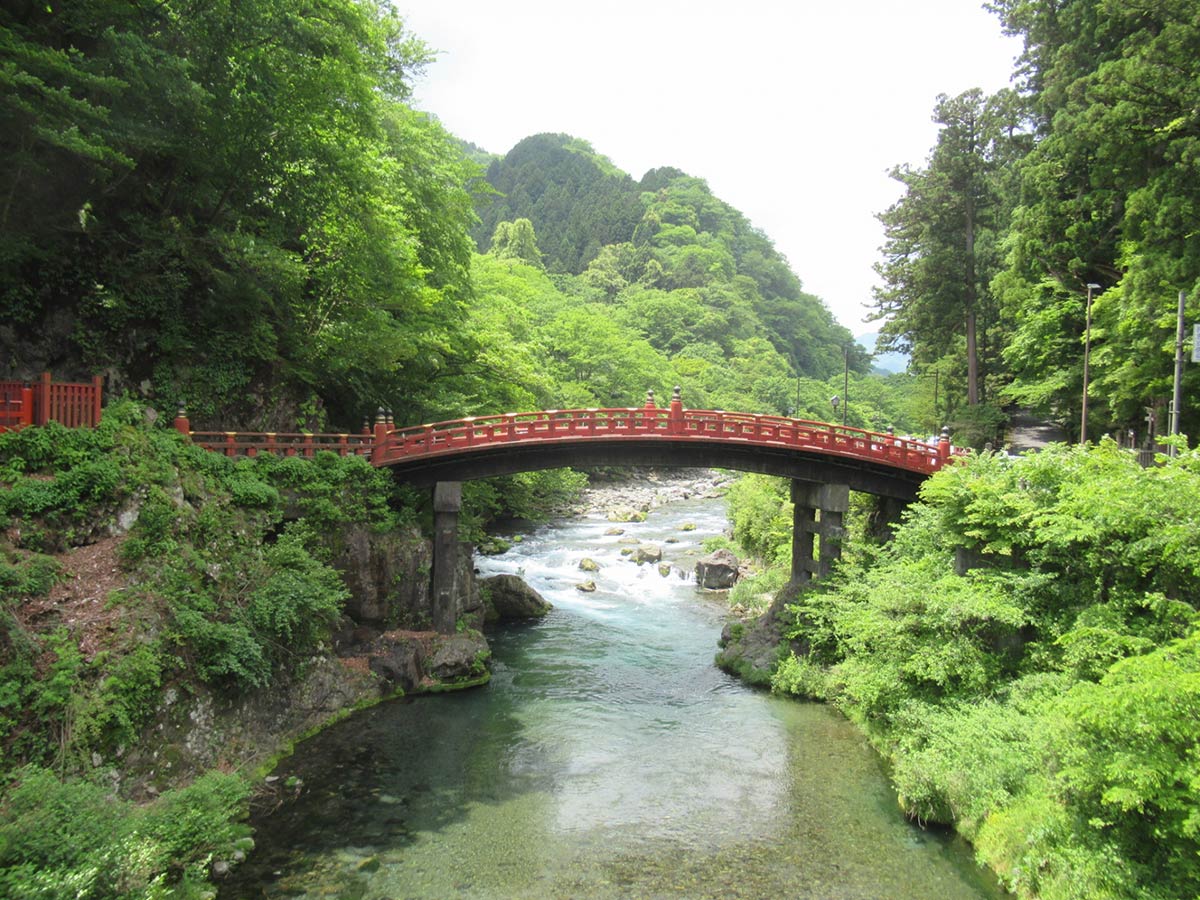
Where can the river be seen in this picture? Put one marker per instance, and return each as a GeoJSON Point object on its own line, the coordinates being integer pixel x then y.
{"type": "Point", "coordinates": [607, 758]}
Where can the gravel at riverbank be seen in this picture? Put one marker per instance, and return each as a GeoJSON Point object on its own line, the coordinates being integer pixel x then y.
{"type": "Point", "coordinates": [646, 489]}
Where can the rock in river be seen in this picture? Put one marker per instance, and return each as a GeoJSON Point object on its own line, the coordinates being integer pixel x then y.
{"type": "Point", "coordinates": [717, 571]}
{"type": "Point", "coordinates": [511, 598]}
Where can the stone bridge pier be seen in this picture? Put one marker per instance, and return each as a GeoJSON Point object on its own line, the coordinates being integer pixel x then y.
{"type": "Point", "coordinates": [444, 591]}
{"type": "Point", "coordinates": [817, 509]}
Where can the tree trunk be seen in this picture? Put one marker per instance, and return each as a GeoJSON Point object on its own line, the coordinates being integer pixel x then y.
{"type": "Point", "coordinates": [971, 297]}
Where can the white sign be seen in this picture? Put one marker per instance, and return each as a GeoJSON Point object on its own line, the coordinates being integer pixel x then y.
{"type": "Point", "coordinates": [1196, 343]}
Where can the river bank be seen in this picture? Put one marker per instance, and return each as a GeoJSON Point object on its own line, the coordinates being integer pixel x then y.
{"type": "Point", "coordinates": [608, 757]}
{"type": "Point", "coordinates": [647, 489]}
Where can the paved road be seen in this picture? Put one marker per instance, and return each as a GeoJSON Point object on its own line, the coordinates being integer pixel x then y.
{"type": "Point", "coordinates": [1030, 432]}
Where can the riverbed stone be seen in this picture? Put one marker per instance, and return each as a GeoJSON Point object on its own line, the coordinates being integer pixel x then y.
{"type": "Point", "coordinates": [587, 587]}
{"type": "Point", "coordinates": [509, 597]}
{"type": "Point", "coordinates": [587, 564]}
{"type": "Point", "coordinates": [718, 571]}
{"type": "Point", "coordinates": [626, 514]}
{"type": "Point", "coordinates": [614, 531]}
{"type": "Point", "coordinates": [664, 569]}
{"type": "Point", "coordinates": [647, 553]}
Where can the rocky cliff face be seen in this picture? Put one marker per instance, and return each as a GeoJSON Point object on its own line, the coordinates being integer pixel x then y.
{"type": "Point", "coordinates": [382, 648]}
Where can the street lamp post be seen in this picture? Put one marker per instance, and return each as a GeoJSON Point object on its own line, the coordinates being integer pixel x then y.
{"type": "Point", "coordinates": [835, 400]}
{"type": "Point", "coordinates": [1087, 352]}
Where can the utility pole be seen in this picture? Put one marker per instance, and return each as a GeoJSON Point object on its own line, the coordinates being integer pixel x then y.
{"type": "Point", "coordinates": [1087, 352]}
{"type": "Point", "coordinates": [1177, 395]}
{"type": "Point", "coordinates": [845, 382]}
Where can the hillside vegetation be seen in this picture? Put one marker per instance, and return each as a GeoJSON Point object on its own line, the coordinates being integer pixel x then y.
{"type": "Point", "coordinates": [1026, 655]}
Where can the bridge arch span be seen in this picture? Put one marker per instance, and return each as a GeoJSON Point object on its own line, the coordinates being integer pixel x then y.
{"type": "Point", "coordinates": [798, 465]}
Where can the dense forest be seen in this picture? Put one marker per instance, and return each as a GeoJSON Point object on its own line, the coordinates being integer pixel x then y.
{"type": "Point", "coordinates": [1084, 174]}
{"type": "Point", "coordinates": [236, 208]}
{"type": "Point", "coordinates": [282, 244]}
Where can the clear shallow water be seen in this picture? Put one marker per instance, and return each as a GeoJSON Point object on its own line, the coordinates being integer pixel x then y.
{"type": "Point", "coordinates": [607, 758]}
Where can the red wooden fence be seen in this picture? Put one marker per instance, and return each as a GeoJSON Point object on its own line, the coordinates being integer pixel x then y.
{"type": "Point", "coordinates": [76, 405]}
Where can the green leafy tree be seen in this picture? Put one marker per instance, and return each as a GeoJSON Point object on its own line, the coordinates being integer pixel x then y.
{"type": "Point", "coordinates": [942, 238]}
{"type": "Point", "coordinates": [516, 240]}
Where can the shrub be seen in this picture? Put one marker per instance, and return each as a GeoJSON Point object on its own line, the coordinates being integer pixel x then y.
{"type": "Point", "coordinates": [72, 840]}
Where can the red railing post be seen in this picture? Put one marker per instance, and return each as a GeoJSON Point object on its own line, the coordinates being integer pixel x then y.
{"type": "Point", "coordinates": [675, 416]}
{"type": "Point", "coordinates": [308, 445]}
{"type": "Point", "coordinates": [380, 437]}
{"type": "Point", "coordinates": [181, 423]}
{"type": "Point", "coordinates": [97, 395]}
{"type": "Point", "coordinates": [25, 416]}
{"type": "Point", "coordinates": [41, 410]}
{"type": "Point", "coordinates": [943, 448]}
{"type": "Point", "coordinates": [230, 443]}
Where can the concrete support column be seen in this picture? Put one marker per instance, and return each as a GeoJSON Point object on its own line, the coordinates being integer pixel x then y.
{"type": "Point", "coordinates": [832, 501]}
{"type": "Point", "coordinates": [447, 501]}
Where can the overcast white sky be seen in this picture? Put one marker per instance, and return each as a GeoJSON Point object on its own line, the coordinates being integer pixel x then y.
{"type": "Point", "coordinates": [792, 110]}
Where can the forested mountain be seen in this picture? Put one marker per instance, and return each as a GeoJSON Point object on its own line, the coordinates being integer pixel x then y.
{"type": "Point", "coordinates": [685, 267]}
{"type": "Point", "coordinates": [577, 199]}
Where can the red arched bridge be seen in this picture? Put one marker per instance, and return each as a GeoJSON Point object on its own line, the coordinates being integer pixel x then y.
{"type": "Point", "coordinates": [824, 461]}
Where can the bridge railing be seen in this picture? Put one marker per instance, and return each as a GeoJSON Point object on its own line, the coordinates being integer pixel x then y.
{"type": "Point", "coordinates": [251, 443]}
{"type": "Point", "coordinates": [673, 423]}
{"type": "Point", "coordinates": [76, 405]}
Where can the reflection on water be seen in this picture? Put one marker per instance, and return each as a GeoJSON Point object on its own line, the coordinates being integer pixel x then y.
{"type": "Point", "coordinates": [607, 758]}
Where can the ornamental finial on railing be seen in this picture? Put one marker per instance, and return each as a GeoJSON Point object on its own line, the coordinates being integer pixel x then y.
{"type": "Point", "coordinates": [650, 399]}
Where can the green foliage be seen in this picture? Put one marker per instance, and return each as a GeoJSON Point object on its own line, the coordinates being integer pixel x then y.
{"type": "Point", "coordinates": [220, 592]}
{"type": "Point", "coordinates": [270, 611]}
{"type": "Point", "coordinates": [72, 840]}
{"type": "Point", "coordinates": [762, 516]}
{"type": "Point", "coordinates": [236, 208]}
{"type": "Point", "coordinates": [663, 261]}
{"type": "Point", "coordinates": [532, 496]}
{"type": "Point", "coordinates": [1044, 699]}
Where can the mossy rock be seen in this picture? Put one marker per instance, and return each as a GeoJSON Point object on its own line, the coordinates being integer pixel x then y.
{"type": "Point", "coordinates": [587, 564]}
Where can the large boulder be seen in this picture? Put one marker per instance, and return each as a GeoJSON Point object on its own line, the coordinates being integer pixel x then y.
{"type": "Point", "coordinates": [387, 575]}
{"type": "Point", "coordinates": [647, 553]}
{"type": "Point", "coordinates": [511, 598]}
{"type": "Point", "coordinates": [400, 663]}
{"type": "Point", "coordinates": [718, 571]}
{"type": "Point", "coordinates": [459, 657]}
